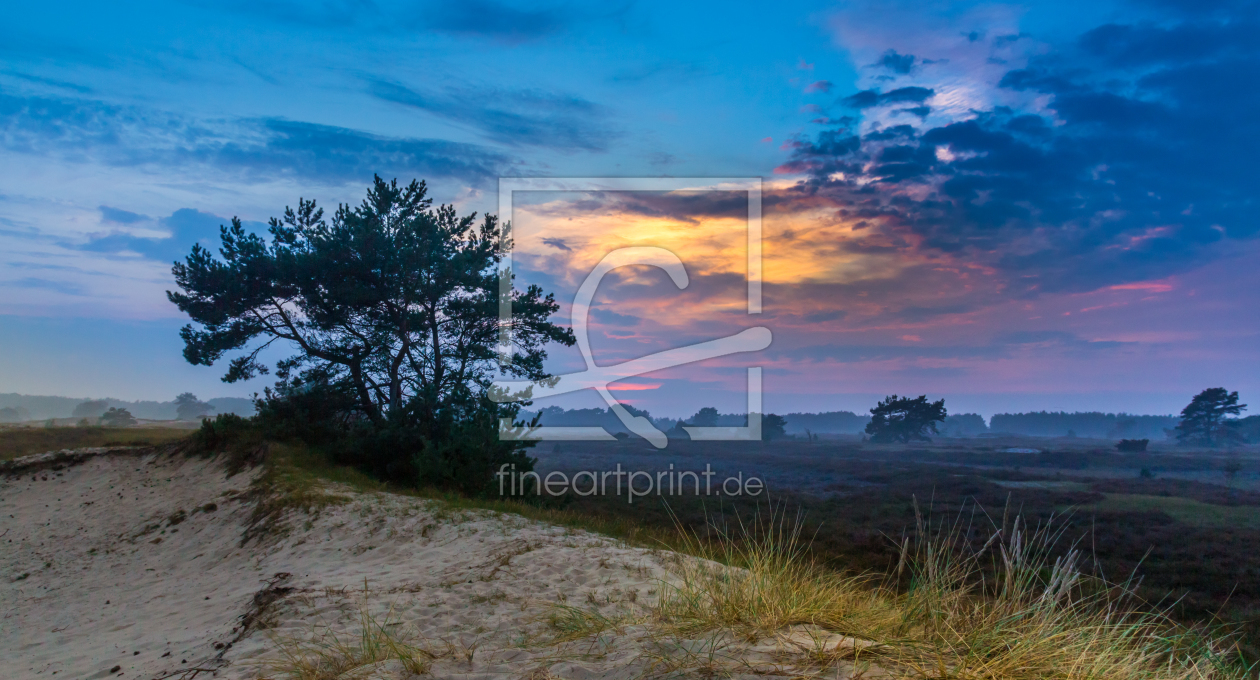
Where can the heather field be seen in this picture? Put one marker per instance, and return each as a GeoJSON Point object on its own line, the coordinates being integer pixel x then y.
{"type": "Point", "coordinates": [1173, 518]}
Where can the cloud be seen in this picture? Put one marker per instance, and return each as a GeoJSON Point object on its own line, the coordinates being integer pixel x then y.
{"type": "Point", "coordinates": [184, 227]}
{"type": "Point", "coordinates": [515, 117]}
{"type": "Point", "coordinates": [558, 244]}
{"type": "Point", "coordinates": [869, 98]}
{"type": "Point", "coordinates": [120, 216]}
{"type": "Point", "coordinates": [62, 287]}
{"type": "Point", "coordinates": [81, 130]}
{"type": "Point", "coordinates": [819, 86]}
{"type": "Point", "coordinates": [1126, 154]}
{"type": "Point", "coordinates": [897, 63]}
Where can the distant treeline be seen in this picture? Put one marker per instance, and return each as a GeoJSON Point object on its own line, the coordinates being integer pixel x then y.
{"type": "Point", "coordinates": [1040, 424]}
{"type": "Point", "coordinates": [1086, 424]}
{"type": "Point", "coordinates": [27, 407]}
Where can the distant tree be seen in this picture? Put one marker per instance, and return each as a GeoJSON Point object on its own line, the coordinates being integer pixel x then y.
{"type": "Point", "coordinates": [189, 407]}
{"type": "Point", "coordinates": [773, 427]}
{"type": "Point", "coordinates": [1204, 422]}
{"type": "Point", "coordinates": [705, 417]}
{"type": "Point", "coordinates": [902, 419]}
{"type": "Point", "coordinates": [117, 417]}
{"type": "Point", "coordinates": [91, 409]}
{"type": "Point", "coordinates": [1249, 429]}
{"type": "Point", "coordinates": [13, 414]}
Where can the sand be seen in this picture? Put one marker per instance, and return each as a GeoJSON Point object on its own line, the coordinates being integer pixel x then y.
{"type": "Point", "coordinates": [131, 564]}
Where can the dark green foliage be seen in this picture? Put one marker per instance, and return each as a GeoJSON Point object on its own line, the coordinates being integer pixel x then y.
{"type": "Point", "coordinates": [392, 311]}
{"type": "Point", "coordinates": [902, 419]}
{"type": "Point", "coordinates": [117, 417]}
{"type": "Point", "coordinates": [1204, 422]}
{"type": "Point", "coordinates": [1132, 445]}
{"type": "Point", "coordinates": [222, 431]}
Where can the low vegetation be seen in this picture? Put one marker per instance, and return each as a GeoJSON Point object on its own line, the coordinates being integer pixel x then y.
{"type": "Point", "coordinates": [16, 441]}
{"type": "Point", "coordinates": [1007, 610]}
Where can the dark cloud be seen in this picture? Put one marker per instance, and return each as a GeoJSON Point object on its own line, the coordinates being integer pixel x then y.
{"type": "Point", "coordinates": [516, 117]}
{"type": "Point", "coordinates": [184, 227]}
{"type": "Point", "coordinates": [897, 63]}
{"type": "Point", "coordinates": [869, 98]}
{"type": "Point", "coordinates": [558, 244]}
{"type": "Point", "coordinates": [819, 86]}
{"type": "Point", "coordinates": [1143, 166]}
{"type": "Point", "coordinates": [120, 216]}
{"type": "Point", "coordinates": [93, 131]}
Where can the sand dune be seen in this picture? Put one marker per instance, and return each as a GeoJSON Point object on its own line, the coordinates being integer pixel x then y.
{"type": "Point", "coordinates": [131, 564]}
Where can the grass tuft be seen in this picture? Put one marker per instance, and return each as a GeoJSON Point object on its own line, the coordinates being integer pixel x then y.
{"type": "Point", "coordinates": [329, 656]}
{"type": "Point", "coordinates": [1008, 610]}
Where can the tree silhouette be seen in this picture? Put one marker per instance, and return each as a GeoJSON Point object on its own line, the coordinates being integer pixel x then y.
{"type": "Point", "coordinates": [705, 417]}
{"type": "Point", "coordinates": [773, 427]}
{"type": "Point", "coordinates": [902, 419]}
{"type": "Point", "coordinates": [189, 407]}
{"type": "Point", "coordinates": [1204, 422]}
{"type": "Point", "coordinates": [117, 417]}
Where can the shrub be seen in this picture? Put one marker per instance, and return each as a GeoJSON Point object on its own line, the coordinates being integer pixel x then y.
{"type": "Point", "coordinates": [1132, 445]}
{"type": "Point", "coordinates": [117, 417]}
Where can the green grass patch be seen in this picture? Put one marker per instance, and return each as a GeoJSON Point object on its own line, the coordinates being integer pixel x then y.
{"type": "Point", "coordinates": [16, 442]}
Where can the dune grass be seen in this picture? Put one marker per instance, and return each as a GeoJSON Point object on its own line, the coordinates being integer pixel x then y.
{"type": "Point", "coordinates": [1005, 611]}
{"type": "Point", "coordinates": [1009, 610]}
{"type": "Point", "coordinates": [326, 655]}
{"type": "Point", "coordinates": [18, 441]}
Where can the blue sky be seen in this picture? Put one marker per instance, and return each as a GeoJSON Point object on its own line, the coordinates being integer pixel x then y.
{"type": "Point", "coordinates": [1017, 206]}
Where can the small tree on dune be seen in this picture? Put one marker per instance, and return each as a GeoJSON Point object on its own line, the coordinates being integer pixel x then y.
{"type": "Point", "coordinates": [902, 419]}
{"type": "Point", "coordinates": [1204, 421]}
{"type": "Point", "coordinates": [391, 309]}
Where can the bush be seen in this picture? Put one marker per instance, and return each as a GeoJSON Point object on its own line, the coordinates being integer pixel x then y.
{"type": "Point", "coordinates": [223, 431]}
{"type": "Point", "coordinates": [1132, 445]}
{"type": "Point", "coordinates": [117, 417]}
{"type": "Point", "coordinates": [456, 448]}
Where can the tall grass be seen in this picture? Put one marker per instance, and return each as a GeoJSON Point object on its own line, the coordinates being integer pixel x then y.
{"type": "Point", "coordinates": [1011, 609]}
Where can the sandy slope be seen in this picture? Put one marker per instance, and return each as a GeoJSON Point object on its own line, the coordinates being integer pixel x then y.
{"type": "Point", "coordinates": [134, 561]}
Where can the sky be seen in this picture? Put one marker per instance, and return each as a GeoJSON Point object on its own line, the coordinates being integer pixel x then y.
{"type": "Point", "coordinates": [1014, 206]}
